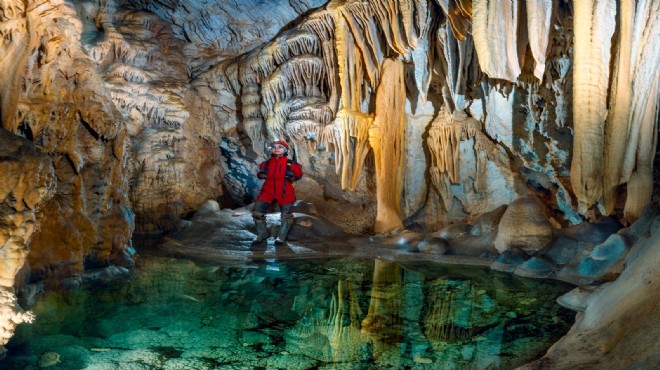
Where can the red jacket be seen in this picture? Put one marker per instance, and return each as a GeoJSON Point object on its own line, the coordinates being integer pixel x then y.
{"type": "Point", "coordinates": [278, 186]}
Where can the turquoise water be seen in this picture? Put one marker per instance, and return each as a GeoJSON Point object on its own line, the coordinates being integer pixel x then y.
{"type": "Point", "coordinates": [331, 314]}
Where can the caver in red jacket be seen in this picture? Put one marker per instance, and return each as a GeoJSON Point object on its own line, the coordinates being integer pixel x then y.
{"type": "Point", "coordinates": [280, 173]}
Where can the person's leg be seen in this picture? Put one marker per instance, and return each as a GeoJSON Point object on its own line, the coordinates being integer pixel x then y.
{"type": "Point", "coordinates": [286, 211]}
{"type": "Point", "coordinates": [259, 211]}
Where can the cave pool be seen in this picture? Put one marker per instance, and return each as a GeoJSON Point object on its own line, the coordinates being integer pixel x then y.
{"type": "Point", "coordinates": [347, 313]}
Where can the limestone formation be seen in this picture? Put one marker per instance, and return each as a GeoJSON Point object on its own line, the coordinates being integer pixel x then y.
{"type": "Point", "coordinates": [21, 197]}
{"type": "Point", "coordinates": [523, 225]}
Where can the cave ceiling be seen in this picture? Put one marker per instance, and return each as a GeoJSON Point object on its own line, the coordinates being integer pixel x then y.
{"type": "Point", "coordinates": [215, 30]}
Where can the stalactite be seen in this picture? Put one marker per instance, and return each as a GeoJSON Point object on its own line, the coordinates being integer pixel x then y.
{"type": "Point", "coordinates": [640, 185]}
{"type": "Point", "coordinates": [19, 38]}
{"type": "Point", "coordinates": [386, 137]}
{"type": "Point", "coordinates": [421, 57]}
{"type": "Point", "coordinates": [617, 122]}
{"type": "Point", "coordinates": [594, 26]}
{"type": "Point", "coordinates": [354, 130]}
{"type": "Point", "coordinates": [444, 139]}
{"type": "Point", "coordinates": [442, 184]}
{"type": "Point", "coordinates": [558, 66]}
{"type": "Point", "coordinates": [458, 56]}
{"type": "Point", "coordinates": [129, 73]}
{"type": "Point", "coordinates": [355, 15]}
{"type": "Point", "coordinates": [303, 131]}
{"type": "Point", "coordinates": [495, 33]}
{"type": "Point", "coordinates": [539, 13]}
{"type": "Point", "coordinates": [330, 138]}
{"type": "Point", "coordinates": [322, 24]}
{"type": "Point", "coordinates": [300, 76]}
{"type": "Point", "coordinates": [293, 43]}
{"type": "Point", "coordinates": [642, 130]}
{"type": "Point", "coordinates": [396, 21]}
{"type": "Point", "coordinates": [351, 71]}
{"type": "Point", "coordinates": [253, 121]}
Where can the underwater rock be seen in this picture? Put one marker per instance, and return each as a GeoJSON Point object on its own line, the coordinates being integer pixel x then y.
{"type": "Point", "coordinates": [49, 359]}
{"type": "Point", "coordinates": [254, 337]}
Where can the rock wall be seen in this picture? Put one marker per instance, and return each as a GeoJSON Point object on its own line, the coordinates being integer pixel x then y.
{"type": "Point", "coordinates": [21, 198]}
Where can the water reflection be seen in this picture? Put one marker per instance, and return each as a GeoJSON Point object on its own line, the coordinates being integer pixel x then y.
{"type": "Point", "coordinates": [344, 314]}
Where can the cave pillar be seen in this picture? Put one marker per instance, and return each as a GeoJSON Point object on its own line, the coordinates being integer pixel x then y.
{"type": "Point", "coordinates": [386, 137]}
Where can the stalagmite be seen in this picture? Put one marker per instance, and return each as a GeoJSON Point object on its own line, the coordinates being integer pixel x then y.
{"type": "Point", "coordinates": [539, 13]}
{"type": "Point", "coordinates": [386, 137]}
{"type": "Point", "coordinates": [594, 25]}
{"type": "Point", "coordinates": [495, 33]}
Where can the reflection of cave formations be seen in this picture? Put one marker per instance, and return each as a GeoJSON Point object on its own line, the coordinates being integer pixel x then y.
{"type": "Point", "coordinates": [412, 318]}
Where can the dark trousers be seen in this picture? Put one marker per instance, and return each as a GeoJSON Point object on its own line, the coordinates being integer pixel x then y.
{"type": "Point", "coordinates": [261, 208]}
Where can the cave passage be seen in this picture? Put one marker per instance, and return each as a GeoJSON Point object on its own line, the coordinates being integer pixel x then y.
{"type": "Point", "coordinates": [345, 313]}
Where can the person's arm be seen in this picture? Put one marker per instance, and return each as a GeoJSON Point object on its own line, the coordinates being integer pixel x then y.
{"type": "Point", "coordinates": [263, 171]}
{"type": "Point", "coordinates": [295, 172]}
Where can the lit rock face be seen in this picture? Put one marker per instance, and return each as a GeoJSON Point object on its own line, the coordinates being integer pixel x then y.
{"type": "Point", "coordinates": [20, 199]}
{"type": "Point", "coordinates": [216, 29]}
{"type": "Point", "coordinates": [66, 110]}
{"type": "Point", "coordinates": [525, 226]}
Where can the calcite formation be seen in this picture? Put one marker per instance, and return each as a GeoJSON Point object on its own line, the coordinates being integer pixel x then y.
{"type": "Point", "coordinates": [21, 197]}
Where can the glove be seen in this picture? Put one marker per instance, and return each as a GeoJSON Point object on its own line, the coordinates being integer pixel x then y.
{"type": "Point", "coordinates": [262, 174]}
{"type": "Point", "coordinates": [290, 176]}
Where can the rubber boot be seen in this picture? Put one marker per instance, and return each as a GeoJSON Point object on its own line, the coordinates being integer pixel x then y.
{"type": "Point", "coordinates": [284, 231]}
{"type": "Point", "coordinates": [262, 231]}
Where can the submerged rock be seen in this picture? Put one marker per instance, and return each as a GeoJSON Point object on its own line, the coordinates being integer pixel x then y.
{"type": "Point", "coordinates": [49, 359]}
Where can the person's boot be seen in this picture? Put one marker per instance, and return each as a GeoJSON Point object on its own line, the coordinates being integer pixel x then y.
{"type": "Point", "coordinates": [284, 231]}
{"type": "Point", "coordinates": [262, 231]}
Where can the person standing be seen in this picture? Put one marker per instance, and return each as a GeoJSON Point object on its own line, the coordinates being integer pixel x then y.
{"type": "Point", "coordinates": [280, 173]}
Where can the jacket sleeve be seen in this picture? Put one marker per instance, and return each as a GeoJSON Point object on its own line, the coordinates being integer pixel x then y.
{"type": "Point", "coordinates": [296, 168]}
{"type": "Point", "coordinates": [262, 171]}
